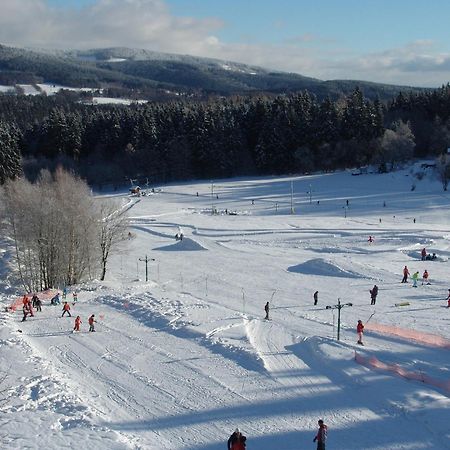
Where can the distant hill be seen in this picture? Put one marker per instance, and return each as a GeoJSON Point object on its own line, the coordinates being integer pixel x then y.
{"type": "Point", "coordinates": [153, 75]}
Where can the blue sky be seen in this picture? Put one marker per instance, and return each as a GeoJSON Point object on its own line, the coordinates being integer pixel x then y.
{"type": "Point", "coordinates": [397, 41]}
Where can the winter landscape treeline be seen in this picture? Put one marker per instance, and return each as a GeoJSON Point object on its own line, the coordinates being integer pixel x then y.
{"type": "Point", "coordinates": [223, 137]}
{"type": "Point", "coordinates": [61, 235]}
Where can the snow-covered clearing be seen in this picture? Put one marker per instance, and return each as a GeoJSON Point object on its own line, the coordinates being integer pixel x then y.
{"type": "Point", "coordinates": [181, 360]}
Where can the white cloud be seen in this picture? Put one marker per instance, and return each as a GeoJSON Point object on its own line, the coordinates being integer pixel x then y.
{"type": "Point", "coordinates": [149, 24]}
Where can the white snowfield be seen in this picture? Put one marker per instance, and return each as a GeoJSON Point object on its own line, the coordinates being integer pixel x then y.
{"type": "Point", "coordinates": [180, 361]}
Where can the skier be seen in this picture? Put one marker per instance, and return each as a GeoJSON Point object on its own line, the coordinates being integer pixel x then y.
{"type": "Point", "coordinates": [360, 331]}
{"type": "Point", "coordinates": [64, 293]}
{"type": "Point", "coordinates": [25, 300]}
{"type": "Point", "coordinates": [237, 441]}
{"type": "Point", "coordinates": [266, 309]}
{"type": "Point", "coordinates": [77, 324]}
{"type": "Point", "coordinates": [55, 300]}
{"type": "Point", "coordinates": [26, 311]}
{"type": "Point", "coordinates": [425, 277]}
{"type": "Point", "coordinates": [91, 322]}
{"type": "Point", "coordinates": [370, 240]}
{"type": "Point", "coordinates": [66, 309]}
{"type": "Point", "coordinates": [316, 297]}
{"type": "Point", "coordinates": [415, 278]}
{"type": "Point", "coordinates": [38, 304]}
{"type": "Point", "coordinates": [34, 299]}
{"type": "Point", "coordinates": [321, 436]}
{"type": "Point", "coordinates": [30, 308]}
{"type": "Point", "coordinates": [448, 299]}
{"type": "Point", "coordinates": [373, 294]}
{"type": "Point", "coordinates": [424, 254]}
{"type": "Point", "coordinates": [405, 274]}
{"type": "Point", "coordinates": [75, 297]}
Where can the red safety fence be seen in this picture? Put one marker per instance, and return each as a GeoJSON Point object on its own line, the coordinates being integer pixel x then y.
{"type": "Point", "coordinates": [43, 295]}
{"type": "Point", "coordinates": [417, 336]}
{"type": "Point", "coordinates": [373, 362]}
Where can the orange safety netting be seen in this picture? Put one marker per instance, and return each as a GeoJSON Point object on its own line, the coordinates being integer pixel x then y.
{"type": "Point", "coordinates": [43, 295]}
{"type": "Point", "coordinates": [418, 336]}
{"type": "Point", "coordinates": [372, 362]}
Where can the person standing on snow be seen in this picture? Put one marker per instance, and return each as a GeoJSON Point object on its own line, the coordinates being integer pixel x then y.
{"type": "Point", "coordinates": [405, 274]}
{"type": "Point", "coordinates": [370, 240]}
{"type": "Point", "coordinates": [321, 436]}
{"type": "Point", "coordinates": [424, 254]}
{"type": "Point", "coordinates": [26, 311]}
{"type": "Point", "coordinates": [448, 299]}
{"type": "Point", "coordinates": [266, 309]}
{"type": "Point", "coordinates": [425, 277]}
{"type": "Point", "coordinates": [373, 294]}
{"type": "Point", "coordinates": [316, 297]}
{"type": "Point", "coordinates": [415, 278]}
{"type": "Point", "coordinates": [74, 297]}
{"type": "Point", "coordinates": [38, 304]}
{"type": "Point", "coordinates": [78, 322]}
{"type": "Point", "coordinates": [360, 332]}
{"type": "Point", "coordinates": [91, 322]}
{"type": "Point", "coordinates": [66, 309]}
{"type": "Point", "coordinates": [237, 441]}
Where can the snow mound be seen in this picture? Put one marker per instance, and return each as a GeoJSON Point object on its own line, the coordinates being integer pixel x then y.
{"type": "Point", "coordinates": [321, 267]}
{"type": "Point", "coordinates": [186, 244]}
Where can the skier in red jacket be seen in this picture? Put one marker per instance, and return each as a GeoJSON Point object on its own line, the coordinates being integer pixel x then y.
{"type": "Point", "coordinates": [237, 441]}
{"type": "Point", "coordinates": [405, 274]}
{"type": "Point", "coordinates": [91, 322]}
{"type": "Point", "coordinates": [360, 331]}
{"type": "Point", "coordinates": [77, 324]}
{"type": "Point", "coordinates": [66, 309]}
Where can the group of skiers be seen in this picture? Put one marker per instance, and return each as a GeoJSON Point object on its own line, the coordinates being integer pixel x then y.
{"type": "Point", "coordinates": [91, 322]}
{"type": "Point", "coordinates": [415, 277]}
{"type": "Point", "coordinates": [35, 302]}
{"type": "Point", "coordinates": [237, 441]}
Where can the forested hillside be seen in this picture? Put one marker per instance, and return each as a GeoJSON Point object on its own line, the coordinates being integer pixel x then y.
{"type": "Point", "coordinates": [220, 138]}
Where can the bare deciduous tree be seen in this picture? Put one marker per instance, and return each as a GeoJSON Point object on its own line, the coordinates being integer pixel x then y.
{"type": "Point", "coordinates": [61, 233]}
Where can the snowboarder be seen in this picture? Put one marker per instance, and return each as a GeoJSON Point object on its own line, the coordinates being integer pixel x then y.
{"type": "Point", "coordinates": [237, 440]}
{"type": "Point", "coordinates": [321, 436]}
{"type": "Point", "coordinates": [424, 254]}
{"type": "Point", "coordinates": [415, 278]}
{"type": "Point", "coordinates": [55, 300]}
{"type": "Point", "coordinates": [373, 294]}
{"type": "Point", "coordinates": [91, 322]}
{"type": "Point", "coordinates": [405, 274]}
{"type": "Point", "coordinates": [66, 309]}
{"type": "Point", "coordinates": [78, 322]}
{"type": "Point", "coordinates": [266, 309]}
{"type": "Point", "coordinates": [360, 331]}
{"type": "Point", "coordinates": [316, 297]}
{"type": "Point", "coordinates": [370, 240]}
{"type": "Point", "coordinates": [425, 277]}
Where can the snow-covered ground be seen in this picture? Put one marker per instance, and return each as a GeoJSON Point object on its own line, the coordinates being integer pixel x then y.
{"type": "Point", "coordinates": [181, 360]}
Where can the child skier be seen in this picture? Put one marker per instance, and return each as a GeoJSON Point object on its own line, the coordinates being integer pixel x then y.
{"type": "Point", "coordinates": [74, 297]}
{"type": "Point", "coordinates": [91, 322]}
{"type": "Point", "coordinates": [360, 331]}
{"type": "Point", "coordinates": [66, 309]}
{"type": "Point", "coordinates": [405, 274]}
{"type": "Point", "coordinates": [26, 311]}
{"type": "Point", "coordinates": [425, 277]}
{"type": "Point", "coordinates": [77, 324]}
{"type": "Point", "coordinates": [316, 297]}
{"type": "Point", "coordinates": [415, 278]}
